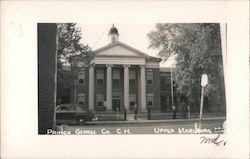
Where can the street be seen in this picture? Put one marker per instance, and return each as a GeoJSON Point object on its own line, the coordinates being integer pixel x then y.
{"type": "Point", "coordinates": [173, 127]}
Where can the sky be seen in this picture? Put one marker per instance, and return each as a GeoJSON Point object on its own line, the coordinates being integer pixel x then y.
{"type": "Point", "coordinates": [132, 34]}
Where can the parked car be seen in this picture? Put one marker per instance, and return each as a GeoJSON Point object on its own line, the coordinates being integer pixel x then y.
{"type": "Point", "coordinates": [71, 114]}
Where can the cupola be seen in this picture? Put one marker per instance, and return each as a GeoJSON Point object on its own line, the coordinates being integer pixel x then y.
{"type": "Point", "coordinates": [113, 34]}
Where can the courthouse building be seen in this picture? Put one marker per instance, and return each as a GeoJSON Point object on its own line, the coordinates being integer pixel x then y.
{"type": "Point", "coordinates": [118, 77]}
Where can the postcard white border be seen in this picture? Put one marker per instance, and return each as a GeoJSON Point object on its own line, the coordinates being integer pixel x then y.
{"type": "Point", "coordinates": [19, 137]}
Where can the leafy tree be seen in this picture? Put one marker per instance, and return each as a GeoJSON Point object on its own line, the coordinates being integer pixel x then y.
{"type": "Point", "coordinates": [197, 48]}
{"type": "Point", "coordinates": [69, 45]}
{"type": "Point", "coordinates": [70, 51]}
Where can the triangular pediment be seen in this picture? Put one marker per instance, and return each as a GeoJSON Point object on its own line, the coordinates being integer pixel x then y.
{"type": "Point", "coordinates": [119, 49]}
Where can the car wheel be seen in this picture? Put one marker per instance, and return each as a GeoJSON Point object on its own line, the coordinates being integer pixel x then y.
{"type": "Point", "coordinates": [81, 120]}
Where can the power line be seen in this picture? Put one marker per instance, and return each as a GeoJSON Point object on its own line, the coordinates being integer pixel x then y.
{"type": "Point", "coordinates": [106, 29]}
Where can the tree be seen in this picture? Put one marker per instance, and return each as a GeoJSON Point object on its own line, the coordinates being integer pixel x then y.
{"type": "Point", "coordinates": [197, 47]}
{"type": "Point", "coordinates": [70, 52]}
{"type": "Point", "coordinates": [69, 44]}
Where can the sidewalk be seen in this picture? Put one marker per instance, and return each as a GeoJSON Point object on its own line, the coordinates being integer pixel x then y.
{"type": "Point", "coordinates": [140, 120]}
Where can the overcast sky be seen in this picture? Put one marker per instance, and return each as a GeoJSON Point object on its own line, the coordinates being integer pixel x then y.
{"type": "Point", "coordinates": [132, 34]}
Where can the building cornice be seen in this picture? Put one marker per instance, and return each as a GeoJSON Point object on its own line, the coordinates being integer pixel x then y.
{"type": "Point", "coordinates": [140, 54]}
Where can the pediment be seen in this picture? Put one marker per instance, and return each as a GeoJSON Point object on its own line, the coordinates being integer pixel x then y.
{"type": "Point", "coordinates": [119, 49]}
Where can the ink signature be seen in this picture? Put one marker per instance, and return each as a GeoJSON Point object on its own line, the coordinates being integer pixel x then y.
{"type": "Point", "coordinates": [217, 141]}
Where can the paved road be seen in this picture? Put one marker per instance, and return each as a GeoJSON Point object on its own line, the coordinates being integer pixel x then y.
{"type": "Point", "coordinates": [180, 127]}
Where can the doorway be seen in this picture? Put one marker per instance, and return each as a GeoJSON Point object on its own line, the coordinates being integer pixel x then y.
{"type": "Point", "coordinates": [116, 104]}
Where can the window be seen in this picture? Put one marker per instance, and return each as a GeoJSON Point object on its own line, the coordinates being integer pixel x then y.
{"type": "Point", "coordinates": [150, 103]}
{"type": "Point", "coordinates": [116, 84]}
{"type": "Point", "coordinates": [116, 79]}
{"type": "Point", "coordinates": [99, 104]}
{"type": "Point", "coordinates": [81, 81]}
{"type": "Point", "coordinates": [132, 85]}
{"type": "Point", "coordinates": [150, 100]}
{"type": "Point", "coordinates": [132, 73]}
{"type": "Point", "coordinates": [100, 81]}
{"type": "Point", "coordinates": [150, 76]}
{"type": "Point", "coordinates": [116, 74]}
{"type": "Point", "coordinates": [132, 101]}
{"type": "Point", "coordinates": [81, 99]}
{"type": "Point", "coordinates": [149, 81]}
{"type": "Point", "coordinates": [100, 76]}
{"type": "Point", "coordinates": [100, 100]}
{"type": "Point", "coordinates": [81, 76]}
{"type": "Point", "coordinates": [132, 79]}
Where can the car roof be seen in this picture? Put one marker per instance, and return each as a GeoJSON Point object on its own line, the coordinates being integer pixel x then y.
{"type": "Point", "coordinates": [72, 105]}
{"type": "Point", "coordinates": [68, 105]}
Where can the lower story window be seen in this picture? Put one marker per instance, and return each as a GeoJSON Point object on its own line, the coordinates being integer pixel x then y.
{"type": "Point", "coordinates": [81, 81]}
{"type": "Point", "coordinates": [150, 104]}
{"type": "Point", "coordinates": [132, 100]}
{"type": "Point", "coordinates": [150, 100]}
{"type": "Point", "coordinates": [149, 81]}
{"type": "Point", "coordinates": [99, 104]}
{"type": "Point", "coordinates": [132, 103]}
{"type": "Point", "coordinates": [81, 99]}
{"type": "Point", "coordinates": [100, 100]}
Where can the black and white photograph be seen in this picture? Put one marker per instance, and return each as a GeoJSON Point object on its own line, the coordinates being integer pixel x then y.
{"type": "Point", "coordinates": [161, 78]}
{"type": "Point", "coordinates": [143, 79]}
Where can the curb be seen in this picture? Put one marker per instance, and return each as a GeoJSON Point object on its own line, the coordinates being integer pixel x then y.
{"type": "Point", "coordinates": [143, 121]}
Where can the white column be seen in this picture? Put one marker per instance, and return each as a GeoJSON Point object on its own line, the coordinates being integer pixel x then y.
{"type": "Point", "coordinates": [109, 87]}
{"type": "Point", "coordinates": [143, 89]}
{"type": "Point", "coordinates": [139, 89]}
{"type": "Point", "coordinates": [126, 87]}
{"type": "Point", "coordinates": [91, 86]}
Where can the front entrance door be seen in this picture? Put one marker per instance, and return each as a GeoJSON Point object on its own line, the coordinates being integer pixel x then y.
{"type": "Point", "coordinates": [116, 104]}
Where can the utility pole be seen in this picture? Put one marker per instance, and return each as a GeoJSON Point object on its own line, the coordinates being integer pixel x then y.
{"type": "Point", "coordinates": [172, 87]}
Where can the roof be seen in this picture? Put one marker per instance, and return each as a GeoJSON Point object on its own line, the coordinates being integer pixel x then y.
{"type": "Point", "coordinates": [166, 69]}
{"type": "Point", "coordinates": [128, 47]}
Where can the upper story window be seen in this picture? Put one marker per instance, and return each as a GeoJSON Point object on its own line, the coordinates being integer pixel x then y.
{"type": "Point", "coordinates": [132, 73]}
{"type": "Point", "coordinates": [81, 76]}
{"type": "Point", "coordinates": [116, 79]}
{"type": "Point", "coordinates": [100, 76]}
{"type": "Point", "coordinates": [149, 76]}
{"type": "Point", "coordinates": [132, 79]}
{"type": "Point", "coordinates": [116, 84]}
